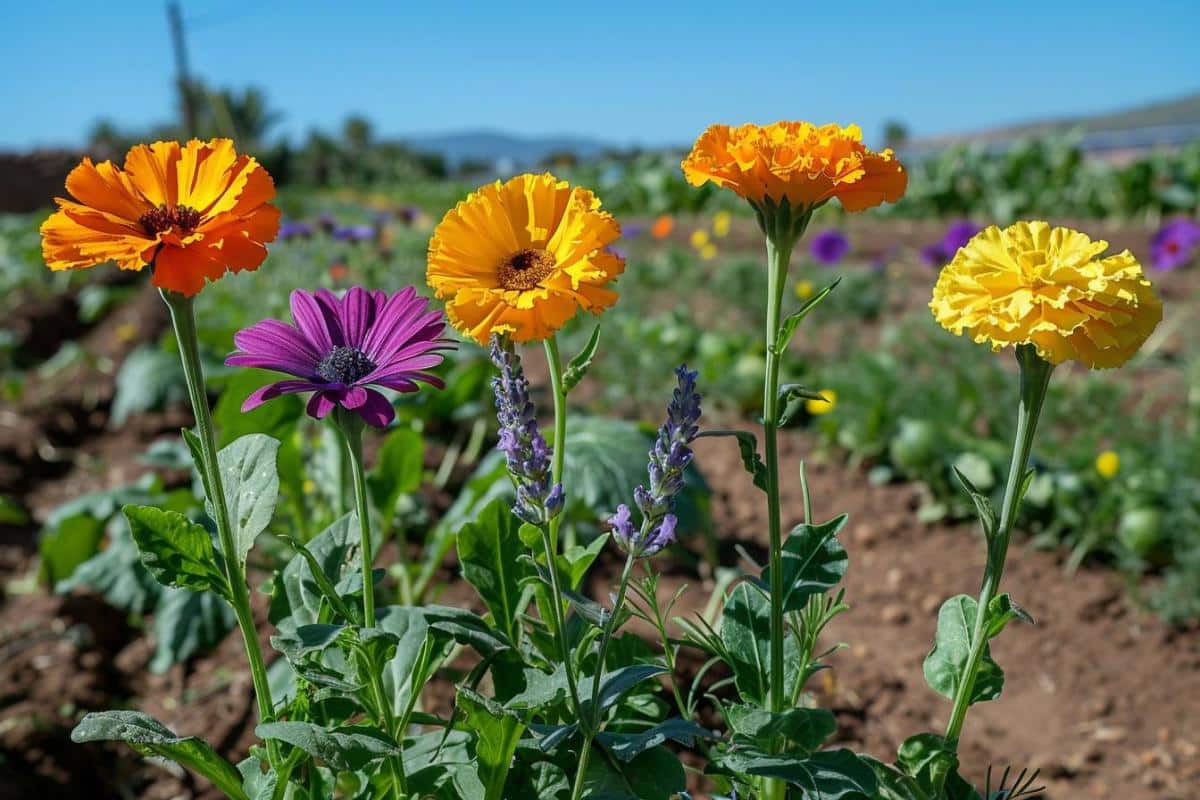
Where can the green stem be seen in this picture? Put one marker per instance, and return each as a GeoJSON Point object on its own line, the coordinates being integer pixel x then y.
{"type": "Point", "coordinates": [554, 362]}
{"type": "Point", "coordinates": [395, 764]}
{"type": "Point", "coordinates": [778, 256]}
{"type": "Point", "coordinates": [585, 753]}
{"type": "Point", "coordinates": [560, 625]}
{"type": "Point", "coordinates": [1035, 378]}
{"type": "Point", "coordinates": [350, 426]}
{"type": "Point", "coordinates": [183, 318]}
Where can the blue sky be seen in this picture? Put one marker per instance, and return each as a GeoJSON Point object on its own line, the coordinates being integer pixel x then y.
{"type": "Point", "coordinates": [620, 71]}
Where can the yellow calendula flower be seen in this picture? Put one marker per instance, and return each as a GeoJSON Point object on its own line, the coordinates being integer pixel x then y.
{"type": "Point", "coordinates": [804, 289]}
{"type": "Point", "coordinates": [521, 257]}
{"type": "Point", "coordinates": [699, 238]}
{"type": "Point", "coordinates": [819, 407]}
{"type": "Point", "coordinates": [802, 163]}
{"type": "Point", "coordinates": [708, 252]}
{"type": "Point", "coordinates": [1052, 288]}
{"type": "Point", "coordinates": [722, 221]}
{"type": "Point", "coordinates": [1108, 464]}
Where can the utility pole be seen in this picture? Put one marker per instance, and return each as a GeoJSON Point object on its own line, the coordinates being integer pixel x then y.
{"type": "Point", "coordinates": [187, 97]}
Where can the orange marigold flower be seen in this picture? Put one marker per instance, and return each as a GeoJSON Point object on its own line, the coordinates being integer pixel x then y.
{"type": "Point", "coordinates": [662, 227]}
{"type": "Point", "coordinates": [521, 257]}
{"type": "Point", "coordinates": [193, 211]}
{"type": "Point", "coordinates": [805, 164]}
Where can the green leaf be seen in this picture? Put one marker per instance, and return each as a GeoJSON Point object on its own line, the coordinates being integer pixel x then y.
{"type": "Point", "coordinates": [927, 760]}
{"type": "Point", "coordinates": [577, 559]}
{"type": "Point", "coordinates": [616, 684]}
{"type": "Point", "coordinates": [541, 690]}
{"type": "Point", "coordinates": [628, 746]}
{"type": "Point", "coordinates": [654, 775]}
{"type": "Point", "coordinates": [792, 397]}
{"type": "Point", "coordinates": [150, 737]}
{"type": "Point", "coordinates": [349, 747]}
{"type": "Point", "coordinates": [466, 627]}
{"type": "Point", "coordinates": [579, 364]}
{"type": "Point", "coordinates": [813, 562]}
{"type": "Point", "coordinates": [806, 728]}
{"type": "Point", "coordinates": [748, 447]}
{"type": "Point", "coordinates": [70, 543]}
{"type": "Point", "coordinates": [983, 505]}
{"type": "Point", "coordinates": [296, 592]}
{"type": "Point", "coordinates": [251, 483]}
{"type": "Point", "coordinates": [1001, 611]}
{"type": "Point", "coordinates": [12, 512]}
{"type": "Point", "coordinates": [497, 732]}
{"type": "Point", "coordinates": [259, 784]}
{"type": "Point", "coordinates": [827, 775]}
{"type": "Point", "coordinates": [893, 784]}
{"type": "Point", "coordinates": [117, 574]}
{"type": "Point", "coordinates": [946, 663]}
{"type": "Point", "coordinates": [746, 634]}
{"type": "Point", "coordinates": [790, 323]}
{"type": "Point", "coordinates": [187, 623]}
{"type": "Point", "coordinates": [177, 551]}
{"type": "Point", "coordinates": [398, 470]}
{"type": "Point", "coordinates": [400, 672]}
{"type": "Point", "coordinates": [149, 378]}
{"type": "Point", "coordinates": [490, 550]}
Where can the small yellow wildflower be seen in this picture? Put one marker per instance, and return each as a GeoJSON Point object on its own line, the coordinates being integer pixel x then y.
{"type": "Point", "coordinates": [127, 332]}
{"type": "Point", "coordinates": [1108, 464]}
{"type": "Point", "coordinates": [819, 407]}
{"type": "Point", "coordinates": [721, 222]}
{"type": "Point", "coordinates": [708, 252]}
{"type": "Point", "coordinates": [699, 238]}
{"type": "Point", "coordinates": [804, 289]}
{"type": "Point", "coordinates": [310, 487]}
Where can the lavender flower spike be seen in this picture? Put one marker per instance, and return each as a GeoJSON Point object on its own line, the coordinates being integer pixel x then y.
{"type": "Point", "coordinates": [669, 458]}
{"type": "Point", "coordinates": [524, 447]}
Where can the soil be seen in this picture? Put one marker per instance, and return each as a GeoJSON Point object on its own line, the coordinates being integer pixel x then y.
{"type": "Point", "coordinates": [1100, 696]}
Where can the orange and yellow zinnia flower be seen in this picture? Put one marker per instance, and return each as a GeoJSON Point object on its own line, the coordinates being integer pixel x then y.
{"type": "Point", "coordinates": [193, 211]}
{"type": "Point", "coordinates": [521, 257]}
{"type": "Point", "coordinates": [1052, 288]}
{"type": "Point", "coordinates": [799, 162]}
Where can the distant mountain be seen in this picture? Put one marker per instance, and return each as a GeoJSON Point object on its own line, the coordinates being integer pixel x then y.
{"type": "Point", "coordinates": [1165, 122]}
{"type": "Point", "coordinates": [493, 147]}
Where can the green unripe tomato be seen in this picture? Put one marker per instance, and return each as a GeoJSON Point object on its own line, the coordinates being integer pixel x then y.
{"type": "Point", "coordinates": [1140, 530]}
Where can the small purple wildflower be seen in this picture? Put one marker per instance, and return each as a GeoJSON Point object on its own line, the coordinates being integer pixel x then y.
{"type": "Point", "coordinates": [408, 215]}
{"type": "Point", "coordinates": [632, 230]}
{"type": "Point", "coordinates": [957, 234]}
{"type": "Point", "coordinates": [829, 247]}
{"type": "Point", "coordinates": [327, 223]}
{"type": "Point", "coordinates": [295, 230]}
{"type": "Point", "coordinates": [1174, 244]}
{"type": "Point", "coordinates": [671, 455]}
{"type": "Point", "coordinates": [354, 233]}
{"type": "Point", "coordinates": [521, 441]}
{"type": "Point", "coordinates": [341, 347]}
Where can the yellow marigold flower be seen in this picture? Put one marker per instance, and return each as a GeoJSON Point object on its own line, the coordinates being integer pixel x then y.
{"type": "Point", "coordinates": [521, 257]}
{"type": "Point", "coordinates": [194, 210]}
{"type": "Point", "coordinates": [803, 163]}
{"type": "Point", "coordinates": [804, 289]}
{"type": "Point", "coordinates": [662, 227]}
{"type": "Point", "coordinates": [722, 221]}
{"type": "Point", "coordinates": [819, 407]}
{"type": "Point", "coordinates": [708, 252]}
{"type": "Point", "coordinates": [699, 238]}
{"type": "Point", "coordinates": [1108, 464]}
{"type": "Point", "coordinates": [1051, 288]}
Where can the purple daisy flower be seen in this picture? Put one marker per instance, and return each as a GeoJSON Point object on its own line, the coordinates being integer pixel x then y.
{"type": "Point", "coordinates": [340, 347]}
{"type": "Point", "coordinates": [1174, 244]}
{"type": "Point", "coordinates": [829, 247]}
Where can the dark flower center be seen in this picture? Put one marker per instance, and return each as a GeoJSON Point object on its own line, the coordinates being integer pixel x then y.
{"type": "Point", "coordinates": [162, 219]}
{"type": "Point", "coordinates": [345, 365]}
{"type": "Point", "coordinates": [526, 269]}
